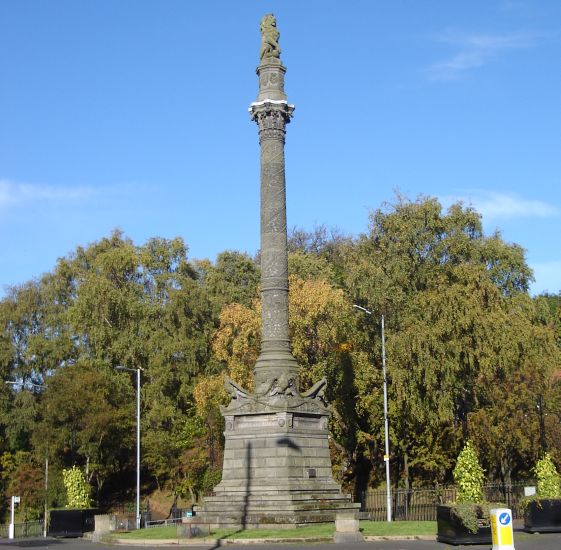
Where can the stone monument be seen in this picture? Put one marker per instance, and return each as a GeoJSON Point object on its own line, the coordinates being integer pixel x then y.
{"type": "Point", "coordinates": [277, 466]}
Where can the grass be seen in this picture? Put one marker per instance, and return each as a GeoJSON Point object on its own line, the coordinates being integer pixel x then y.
{"type": "Point", "coordinates": [319, 530]}
{"type": "Point", "coordinates": [372, 528]}
{"type": "Point", "coordinates": [160, 532]}
{"type": "Point", "coordinates": [398, 528]}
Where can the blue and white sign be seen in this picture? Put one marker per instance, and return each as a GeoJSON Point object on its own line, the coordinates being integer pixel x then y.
{"type": "Point", "coordinates": [501, 529]}
{"type": "Point", "coordinates": [504, 518]}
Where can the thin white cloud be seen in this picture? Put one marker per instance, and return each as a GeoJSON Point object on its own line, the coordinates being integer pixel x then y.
{"type": "Point", "coordinates": [475, 50]}
{"type": "Point", "coordinates": [12, 193]}
{"type": "Point", "coordinates": [494, 205]}
{"type": "Point", "coordinates": [500, 205]}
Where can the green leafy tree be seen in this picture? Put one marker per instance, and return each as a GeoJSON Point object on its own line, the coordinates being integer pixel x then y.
{"type": "Point", "coordinates": [199, 470]}
{"type": "Point", "coordinates": [137, 306]}
{"type": "Point", "coordinates": [450, 295]}
{"type": "Point", "coordinates": [318, 254]}
{"type": "Point", "coordinates": [34, 341]}
{"type": "Point", "coordinates": [233, 278]}
{"type": "Point", "coordinates": [87, 418]}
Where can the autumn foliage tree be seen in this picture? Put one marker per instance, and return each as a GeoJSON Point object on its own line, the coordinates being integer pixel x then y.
{"type": "Point", "coordinates": [470, 354]}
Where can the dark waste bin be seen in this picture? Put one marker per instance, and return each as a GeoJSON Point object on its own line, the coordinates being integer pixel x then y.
{"type": "Point", "coordinates": [71, 522]}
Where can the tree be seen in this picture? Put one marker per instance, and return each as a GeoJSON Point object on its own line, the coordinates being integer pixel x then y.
{"type": "Point", "coordinates": [87, 419]}
{"type": "Point", "coordinates": [201, 460]}
{"type": "Point", "coordinates": [232, 279]}
{"type": "Point", "coordinates": [141, 306]}
{"type": "Point", "coordinates": [21, 476]}
{"type": "Point", "coordinates": [508, 424]}
{"type": "Point", "coordinates": [318, 253]}
{"type": "Point", "coordinates": [454, 300]}
{"type": "Point", "coordinates": [34, 341]}
{"type": "Point", "coordinates": [34, 338]}
{"type": "Point", "coordinates": [469, 353]}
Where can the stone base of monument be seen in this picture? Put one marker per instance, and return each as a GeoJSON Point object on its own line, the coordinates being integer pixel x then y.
{"type": "Point", "coordinates": [277, 473]}
{"type": "Point", "coordinates": [283, 514]}
{"type": "Point", "coordinates": [346, 528]}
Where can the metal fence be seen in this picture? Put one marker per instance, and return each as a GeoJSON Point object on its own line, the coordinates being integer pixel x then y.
{"type": "Point", "coordinates": [125, 521]}
{"type": "Point", "coordinates": [176, 516]}
{"type": "Point", "coordinates": [420, 504]}
{"type": "Point", "coordinates": [125, 517]}
{"type": "Point", "coordinates": [158, 522]}
{"type": "Point", "coordinates": [22, 530]}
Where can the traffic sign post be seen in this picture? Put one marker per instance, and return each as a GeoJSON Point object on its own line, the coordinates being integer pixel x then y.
{"type": "Point", "coordinates": [501, 529]}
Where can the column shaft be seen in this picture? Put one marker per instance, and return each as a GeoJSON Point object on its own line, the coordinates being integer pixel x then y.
{"type": "Point", "coordinates": [272, 117]}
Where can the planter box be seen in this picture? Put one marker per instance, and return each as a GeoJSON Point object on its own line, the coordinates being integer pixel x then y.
{"type": "Point", "coordinates": [543, 516]}
{"type": "Point", "coordinates": [451, 531]}
{"type": "Point", "coordinates": [71, 523]}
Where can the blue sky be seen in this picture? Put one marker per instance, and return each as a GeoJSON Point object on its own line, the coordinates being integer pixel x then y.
{"type": "Point", "coordinates": [133, 114]}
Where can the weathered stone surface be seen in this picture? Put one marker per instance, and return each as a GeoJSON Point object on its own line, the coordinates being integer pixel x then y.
{"type": "Point", "coordinates": [277, 467]}
{"type": "Point", "coordinates": [347, 528]}
{"type": "Point", "coordinates": [105, 523]}
{"type": "Point", "coordinates": [270, 49]}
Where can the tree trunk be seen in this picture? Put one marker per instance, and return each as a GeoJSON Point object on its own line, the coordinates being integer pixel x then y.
{"type": "Point", "coordinates": [406, 470]}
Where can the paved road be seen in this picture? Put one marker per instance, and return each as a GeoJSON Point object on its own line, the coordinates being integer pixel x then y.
{"type": "Point", "coordinates": [522, 541]}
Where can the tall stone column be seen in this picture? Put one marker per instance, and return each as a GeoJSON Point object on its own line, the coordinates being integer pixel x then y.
{"type": "Point", "coordinates": [277, 466]}
{"type": "Point", "coordinates": [272, 113]}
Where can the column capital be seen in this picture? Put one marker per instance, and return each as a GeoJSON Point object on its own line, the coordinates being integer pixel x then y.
{"type": "Point", "coordinates": [271, 116]}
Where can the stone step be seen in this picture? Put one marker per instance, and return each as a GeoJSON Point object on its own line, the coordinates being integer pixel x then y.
{"type": "Point", "coordinates": [211, 505]}
{"type": "Point", "coordinates": [264, 518]}
{"type": "Point", "coordinates": [278, 487]}
{"type": "Point", "coordinates": [275, 505]}
{"type": "Point", "coordinates": [284, 497]}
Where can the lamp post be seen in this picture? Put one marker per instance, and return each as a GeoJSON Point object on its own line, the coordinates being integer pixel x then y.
{"type": "Point", "coordinates": [137, 370]}
{"type": "Point", "coordinates": [12, 526]}
{"type": "Point", "coordinates": [46, 511]}
{"type": "Point", "coordinates": [386, 437]}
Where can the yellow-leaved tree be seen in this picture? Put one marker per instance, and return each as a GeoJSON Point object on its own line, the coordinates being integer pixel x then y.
{"type": "Point", "coordinates": [322, 328]}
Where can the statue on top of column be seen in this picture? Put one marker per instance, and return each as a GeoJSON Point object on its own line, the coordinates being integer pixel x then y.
{"type": "Point", "coordinates": [269, 38]}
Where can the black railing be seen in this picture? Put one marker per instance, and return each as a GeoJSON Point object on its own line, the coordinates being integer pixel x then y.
{"type": "Point", "coordinates": [420, 504]}
{"type": "Point", "coordinates": [23, 530]}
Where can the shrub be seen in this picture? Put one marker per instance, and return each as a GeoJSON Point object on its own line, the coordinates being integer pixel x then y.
{"type": "Point", "coordinates": [77, 488]}
{"type": "Point", "coordinates": [549, 480]}
{"type": "Point", "coordinates": [469, 475]}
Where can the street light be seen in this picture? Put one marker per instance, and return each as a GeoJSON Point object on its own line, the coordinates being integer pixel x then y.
{"type": "Point", "coordinates": [137, 370]}
{"type": "Point", "coordinates": [386, 438]}
{"type": "Point", "coordinates": [46, 512]}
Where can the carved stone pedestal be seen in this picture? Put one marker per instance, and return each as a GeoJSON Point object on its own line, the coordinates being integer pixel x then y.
{"type": "Point", "coordinates": [277, 471]}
